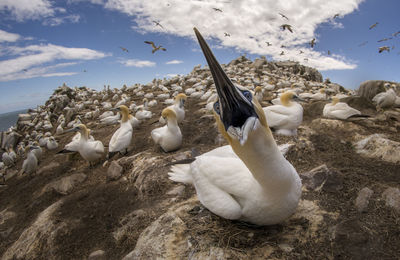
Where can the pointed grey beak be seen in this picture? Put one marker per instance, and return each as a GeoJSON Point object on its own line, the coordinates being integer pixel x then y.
{"type": "Point", "coordinates": [75, 129]}
{"type": "Point", "coordinates": [235, 108]}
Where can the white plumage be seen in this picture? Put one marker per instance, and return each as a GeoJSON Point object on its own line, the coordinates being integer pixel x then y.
{"type": "Point", "coordinates": [169, 137]}
{"type": "Point", "coordinates": [339, 110]}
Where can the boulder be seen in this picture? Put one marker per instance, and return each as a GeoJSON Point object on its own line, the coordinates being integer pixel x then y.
{"type": "Point", "coordinates": [368, 89]}
{"type": "Point", "coordinates": [114, 172]}
{"type": "Point", "coordinates": [392, 198]}
{"type": "Point", "coordinates": [378, 147]}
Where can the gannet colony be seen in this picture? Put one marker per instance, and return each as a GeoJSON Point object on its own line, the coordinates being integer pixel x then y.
{"type": "Point", "coordinates": [249, 160]}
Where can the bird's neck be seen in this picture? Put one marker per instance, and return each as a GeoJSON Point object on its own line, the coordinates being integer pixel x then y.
{"type": "Point", "coordinates": [262, 157]}
{"type": "Point", "coordinates": [125, 117]}
{"type": "Point", "coordinates": [172, 124]}
{"type": "Point", "coordinates": [84, 135]}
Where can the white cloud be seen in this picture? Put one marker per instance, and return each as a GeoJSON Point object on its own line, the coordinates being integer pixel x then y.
{"type": "Point", "coordinates": [22, 10]}
{"type": "Point", "coordinates": [31, 61]}
{"type": "Point", "coordinates": [174, 62]}
{"type": "Point", "coordinates": [54, 21]}
{"type": "Point", "coordinates": [250, 24]}
{"type": "Point", "coordinates": [137, 63]}
{"type": "Point", "coordinates": [8, 37]}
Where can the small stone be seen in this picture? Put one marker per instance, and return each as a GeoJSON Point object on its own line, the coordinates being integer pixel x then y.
{"type": "Point", "coordinates": [392, 197]}
{"type": "Point", "coordinates": [322, 177]}
{"type": "Point", "coordinates": [362, 199]}
{"type": "Point", "coordinates": [285, 248]}
{"type": "Point", "coordinates": [65, 185]}
{"type": "Point", "coordinates": [176, 191]}
{"type": "Point", "coordinates": [97, 255]}
{"type": "Point", "coordinates": [114, 172]}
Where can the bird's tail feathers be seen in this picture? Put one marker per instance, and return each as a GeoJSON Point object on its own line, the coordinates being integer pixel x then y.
{"type": "Point", "coordinates": [181, 173]}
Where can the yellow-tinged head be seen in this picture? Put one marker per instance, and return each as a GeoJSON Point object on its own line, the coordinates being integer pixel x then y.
{"type": "Point", "coordinates": [168, 113]}
{"type": "Point", "coordinates": [335, 100]}
{"type": "Point", "coordinates": [322, 90]}
{"type": "Point", "coordinates": [287, 97]}
{"type": "Point", "coordinates": [124, 110]}
{"type": "Point", "coordinates": [258, 89]}
{"type": "Point", "coordinates": [181, 96]}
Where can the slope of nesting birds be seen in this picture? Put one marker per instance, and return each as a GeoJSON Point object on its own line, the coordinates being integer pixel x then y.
{"type": "Point", "coordinates": [68, 210]}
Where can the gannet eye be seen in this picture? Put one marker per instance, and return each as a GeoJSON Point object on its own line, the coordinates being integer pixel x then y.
{"type": "Point", "coordinates": [216, 108]}
{"type": "Point", "coordinates": [247, 94]}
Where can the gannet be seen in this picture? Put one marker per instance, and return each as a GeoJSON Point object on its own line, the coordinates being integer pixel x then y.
{"type": "Point", "coordinates": [90, 150]}
{"type": "Point", "coordinates": [37, 151]}
{"type": "Point", "coordinates": [260, 186]}
{"type": "Point", "coordinates": [321, 95]}
{"type": "Point", "coordinates": [155, 48]}
{"type": "Point", "coordinates": [31, 162]}
{"type": "Point", "coordinates": [339, 110]}
{"type": "Point", "coordinates": [178, 108]}
{"type": "Point", "coordinates": [286, 116]}
{"type": "Point", "coordinates": [111, 120]}
{"type": "Point", "coordinates": [258, 94]}
{"type": "Point", "coordinates": [51, 143]}
{"type": "Point", "coordinates": [7, 159]}
{"type": "Point", "coordinates": [169, 137]}
{"type": "Point", "coordinates": [385, 99]}
{"type": "Point", "coordinates": [143, 113]}
{"type": "Point", "coordinates": [121, 139]}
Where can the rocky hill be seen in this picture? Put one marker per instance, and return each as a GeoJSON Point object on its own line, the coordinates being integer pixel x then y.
{"type": "Point", "coordinates": [126, 207]}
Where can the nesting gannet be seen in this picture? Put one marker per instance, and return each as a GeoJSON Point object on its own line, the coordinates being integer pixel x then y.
{"type": "Point", "coordinates": [37, 151]}
{"type": "Point", "coordinates": [286, 116]}
{"type": "Point", "coordinates": [321, 95]}
{"type": "Point", "coordinates": [51, 143]}
{"type": "Point", "coordinates": [7, 159]}
{"type": "Point", "coordinates": [260, 186]}
{"type": "Point", "coordinates": [178, 108]}
{"type": "Point", "coordinates": [143, 113]}
{"type": "Point", "coordinates": [339, 110]}
{"type": "Point", "coordinates": [121, 139]}
{"type": "Point", "coordinates": [111, 120]}
{"type": "Point", "coordinates": [31, 162]}
{"type": "Point", "coordinates": [90, 150]}
{"type": "Point", "coordinates": [385, 99]}
{"type": "Point", "coordinates": [169, 137]}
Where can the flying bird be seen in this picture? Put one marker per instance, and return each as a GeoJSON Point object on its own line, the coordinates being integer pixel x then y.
{"type": "Point", "coordinates": [283, 16]}
{"type": "Point", "coordinates": [268, 43]}
{"type": "Point", "coordinates": [329, 52]}
{"type": "Point", "coordinates": [25, 70]}
{"type": "Point", "coordinates": [283, 46]}
{"type": "Point", "coordinates": [301, 52]}
{"type": "Point", "coordinates": [227, 34]}
{"type": "Point", "coordinates": [282, 53]}
{"type": "Point", "coordinates": [396, 33]}
{"type": "Point", "coordinates": [384, 48]}
{"type": "Point", "coordinates": [124, 49]}
{"type": "Point", "coordinates": [336, 16]}
{"type": "Point", "coordinates": [305, 59]}
{"type": "Point", "coordinates": [158, 24]}
{"type": "Point", "coordinates": [217, 9]}
{"type": "Point", "coordinates": [155, 48]}
{"type": "Point", "coordinates": [385, 39]}
{"type": "Point", "coordinates": [373, 26]}
{"type": "Point", "coordinates": [362, 44]}
{"type": "Point", "coordinates": [287, 26]}
{"type": "Point", "coordinates": [312, 43]}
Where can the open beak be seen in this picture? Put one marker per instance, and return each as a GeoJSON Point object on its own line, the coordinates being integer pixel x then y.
{"type": "Point", "coordinates": [235, 109]}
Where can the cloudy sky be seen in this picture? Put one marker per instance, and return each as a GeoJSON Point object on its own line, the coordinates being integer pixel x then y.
{"type": "Point", "coordinates": [45, 43]}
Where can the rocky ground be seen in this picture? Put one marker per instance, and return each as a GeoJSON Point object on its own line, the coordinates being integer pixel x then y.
{"type": "Point", "coordinates": [128, 208]}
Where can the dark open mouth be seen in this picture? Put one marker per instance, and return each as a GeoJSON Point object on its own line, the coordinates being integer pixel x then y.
{"type": "Point", "coordinates": [234, 107]}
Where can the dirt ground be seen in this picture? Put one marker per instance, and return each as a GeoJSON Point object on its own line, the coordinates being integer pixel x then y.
{"type": "Point", "coordinates": [96, 207]}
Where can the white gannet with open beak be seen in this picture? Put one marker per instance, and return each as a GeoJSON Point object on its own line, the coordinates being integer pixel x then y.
{"type": "Point", "coordinates": [260, 186]}
{"type": "Point", "coordinates": [90, 150]}
{"type": "Point", "coordinates": [286, 116]}
{"type": "Point", "coordinates": [31, 162]}
{"type": "Point", "coordinates": [178, 108]}
{"type": "Point", "coordinates": [121, 139]}
{"type": "Point", "coordinates": [169, 137]}
{"type": "Point", "coordinates": [339, 110]}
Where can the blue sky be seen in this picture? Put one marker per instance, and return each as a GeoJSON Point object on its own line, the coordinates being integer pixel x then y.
{"type": "Point", "coordinates": [45, 43]}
